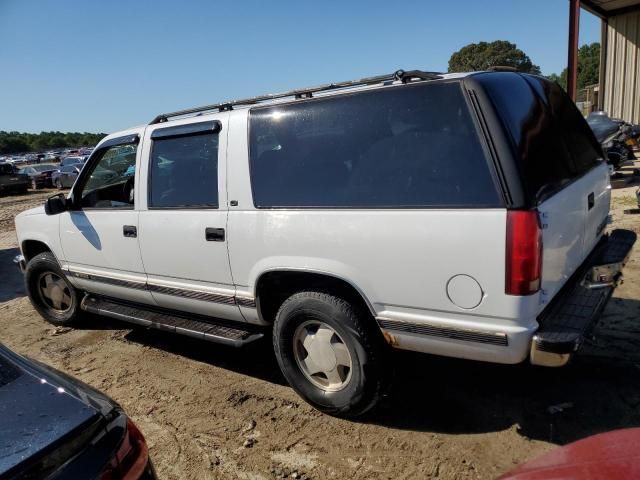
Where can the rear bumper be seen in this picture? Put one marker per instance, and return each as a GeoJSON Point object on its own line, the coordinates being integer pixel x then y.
{"type": "Point", "coordinates": [571, 316]}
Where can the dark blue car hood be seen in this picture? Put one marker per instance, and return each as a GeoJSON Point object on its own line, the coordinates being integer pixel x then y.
{"type": "Point", "coordinates": [38, 406]}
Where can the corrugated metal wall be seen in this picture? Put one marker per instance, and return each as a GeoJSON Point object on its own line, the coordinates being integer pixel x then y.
{"type": "Point", "coordinates": [622, 74]}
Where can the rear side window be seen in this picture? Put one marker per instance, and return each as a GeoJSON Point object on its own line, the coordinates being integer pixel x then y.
{"type": "Point", "coordinates": [552, 141]}
{"type": "Point", "coordinates": [184, 171]}
{"type": "Point", "coordinates": [581, 142]}
{"type": "Point", "coordinates": [410, 146]}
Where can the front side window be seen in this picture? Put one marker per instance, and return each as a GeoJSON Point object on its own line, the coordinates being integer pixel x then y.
{"type": "Point", "coordinates": [184, 171]}
{"type": "Point", "coordinates": [402, 147]}
{"type": "Point", "coordinates": [110, 184]}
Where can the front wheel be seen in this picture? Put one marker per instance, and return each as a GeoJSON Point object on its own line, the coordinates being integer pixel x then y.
{"type": "Point", "coordinates": [330, 352]}
{"type": "Point", "coordinates": [50, 292]}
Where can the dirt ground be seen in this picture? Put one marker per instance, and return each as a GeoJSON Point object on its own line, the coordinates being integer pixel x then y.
{"type": "Point", "coordinates": [199, 403]}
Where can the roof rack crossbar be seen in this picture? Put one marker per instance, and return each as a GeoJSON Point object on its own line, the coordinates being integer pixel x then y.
{"type": "Point", "coordinates": [399, 75]}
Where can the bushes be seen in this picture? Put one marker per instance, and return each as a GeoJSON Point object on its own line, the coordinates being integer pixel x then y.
{"type": "Point", "coordinates": [16, 142]}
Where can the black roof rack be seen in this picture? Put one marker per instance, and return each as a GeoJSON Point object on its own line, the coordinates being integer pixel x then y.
{"type": "Point", "coordinates": [401, 75]}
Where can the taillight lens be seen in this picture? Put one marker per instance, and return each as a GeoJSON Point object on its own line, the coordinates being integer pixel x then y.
{"type": "Point", "coordinates": [524, 252]}
{"type": "Point", "coordinates": [131, 458]}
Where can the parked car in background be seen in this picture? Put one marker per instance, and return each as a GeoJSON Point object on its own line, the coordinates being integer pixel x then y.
{"type": "Point", "coordinates": [610, 455]}
{"type": "Point", "coordinates": [52, 157]}
{"type": "Point", "coordinates": [54, 426]}
{"type": "Point", "coordinates": [66, 175]}
{"type": "Point", "coordinates": [11, 181]}
{"type": "Point", "coordinates": [40, 175]}
{"type": "Point", "coordinates": [72, 160]}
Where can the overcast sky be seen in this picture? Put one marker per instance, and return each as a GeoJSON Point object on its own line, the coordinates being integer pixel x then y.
{"type": "Point", "coordinates": [101, 66]}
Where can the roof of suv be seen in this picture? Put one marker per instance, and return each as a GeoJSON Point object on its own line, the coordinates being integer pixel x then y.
{"type": "Point", "coordinates": [397, 78]}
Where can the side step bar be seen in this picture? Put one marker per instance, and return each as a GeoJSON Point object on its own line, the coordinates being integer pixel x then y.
{"type": "Point", "coordinates": [194, 326]}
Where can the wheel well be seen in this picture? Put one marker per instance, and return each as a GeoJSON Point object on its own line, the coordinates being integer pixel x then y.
{"type": "Point", "coordinates": [31, 248]}
{"type": "Point", "coordinates": [273, 288]}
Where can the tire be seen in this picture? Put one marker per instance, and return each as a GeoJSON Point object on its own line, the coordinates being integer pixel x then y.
{"type": "Point", "coordinates": [43, 270]}
{"type": "Point", "coordinates": [363, 385]}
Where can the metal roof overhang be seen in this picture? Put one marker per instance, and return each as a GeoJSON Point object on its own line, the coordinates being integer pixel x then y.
{"type": "Point", "coordinates": [610, 8]}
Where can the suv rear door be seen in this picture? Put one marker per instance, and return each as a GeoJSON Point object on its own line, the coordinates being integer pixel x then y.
{"type": "Point", "coordinates": [183, 222]}
{"type": "Point", "coordinates": [559, 165]}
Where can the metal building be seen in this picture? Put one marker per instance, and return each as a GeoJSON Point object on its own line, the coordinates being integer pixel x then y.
{"type": "Point", "coordinates": [619, 92]}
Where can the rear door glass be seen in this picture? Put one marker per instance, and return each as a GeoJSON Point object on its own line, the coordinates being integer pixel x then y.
{"type": "Point", "coordinates": [184, 171]}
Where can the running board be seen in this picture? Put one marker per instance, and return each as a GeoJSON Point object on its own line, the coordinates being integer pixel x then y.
{"type": "Point", "coordinates": [193, 326]}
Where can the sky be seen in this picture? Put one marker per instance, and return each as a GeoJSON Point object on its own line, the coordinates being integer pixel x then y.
{"type": "Point", "coordinates": [105, 65]}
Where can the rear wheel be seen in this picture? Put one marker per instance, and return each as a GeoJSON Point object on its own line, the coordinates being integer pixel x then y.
{"type": "Point", "coordinates": [330, 352]}
{"type": "Point", "coordinates": [50, 292]}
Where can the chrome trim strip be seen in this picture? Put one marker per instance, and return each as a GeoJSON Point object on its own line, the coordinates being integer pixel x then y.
{"type": "Point", "coordinates": [109, 280]}
{"type": "Point", "coordinates": [246, 302]}
{"type": "Point", "coordinates": [193, 294]}
{"type": "Point", "coordinates": [177, 292]}
{"type": "Point", "coordinates": [477, 336]}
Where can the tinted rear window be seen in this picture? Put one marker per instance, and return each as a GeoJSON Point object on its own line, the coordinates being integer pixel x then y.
{"type": "Point", "coordinates": [553, 142]}
{"type": "Point", "coordinates": [412, 146]}
{"type": "Point", "coordinates": [184, 172]}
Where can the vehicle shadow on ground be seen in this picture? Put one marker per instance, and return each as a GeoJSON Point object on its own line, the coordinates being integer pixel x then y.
{"type": "Point", "coordinates": [11, 283]}
{"type": "Point", "coordinates": [599, 391]}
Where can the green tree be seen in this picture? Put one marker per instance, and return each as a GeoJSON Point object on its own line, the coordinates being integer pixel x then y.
{"type": "Point", "coordinates": [588, 67]}
{"type": "Point", "coordinates": [484, 55]}
{"type": "Point", "coordinates": [16, 142]}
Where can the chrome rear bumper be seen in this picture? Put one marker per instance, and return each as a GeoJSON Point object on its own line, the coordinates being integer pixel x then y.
{"type": "Point", "coordinates": [573, 314]}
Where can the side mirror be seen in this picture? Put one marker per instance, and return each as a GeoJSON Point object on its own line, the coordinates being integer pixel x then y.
{"type": "Point", "coordinates": [56, 204]}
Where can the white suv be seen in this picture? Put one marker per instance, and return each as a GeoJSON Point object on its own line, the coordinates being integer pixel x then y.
{"type": "Point", "coordinates": [457, 215]}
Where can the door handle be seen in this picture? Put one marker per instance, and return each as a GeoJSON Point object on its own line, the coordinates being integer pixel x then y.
{"type": "Point", "coordinates": [129, 231]}
{"type": "Point", "coordinates": [214, 234]}
{"type": "Point", "coordinates": [591, 200]}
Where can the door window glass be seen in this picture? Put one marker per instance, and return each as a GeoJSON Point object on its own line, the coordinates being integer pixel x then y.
{"type": "Point", "coordinates": [184, 171]}
{"type": "Point", "coordinates": [111, 180]}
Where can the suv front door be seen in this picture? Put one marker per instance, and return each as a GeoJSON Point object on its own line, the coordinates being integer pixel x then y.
{"type": "Point", "coordinates": [99, 233]}
{"type": "Point", "coordinates": [183, 227]}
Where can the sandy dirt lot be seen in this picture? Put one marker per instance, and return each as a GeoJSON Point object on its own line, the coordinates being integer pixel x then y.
{"type": "Point", "coordinates": [199, 403]}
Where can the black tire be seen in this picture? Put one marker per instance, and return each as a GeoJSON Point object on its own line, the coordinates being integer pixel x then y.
{"type": "Point", "coordinates": [37, 268]}
{"type": "Point", "coordinates": [357, 331]}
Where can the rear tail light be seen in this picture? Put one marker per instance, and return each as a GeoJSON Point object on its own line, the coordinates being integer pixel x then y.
{"type": "Point", "coordinates": [524, 252]}
{"type": "Point", "coordinates": [131, 458]}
